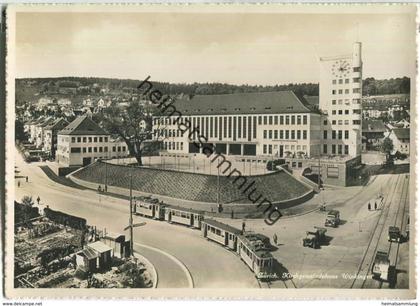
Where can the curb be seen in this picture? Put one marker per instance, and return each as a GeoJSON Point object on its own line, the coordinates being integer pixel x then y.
{"type": "Point", "coordinates": [148, 264]}
{"type": "Point", "coordinates": [178, 262]}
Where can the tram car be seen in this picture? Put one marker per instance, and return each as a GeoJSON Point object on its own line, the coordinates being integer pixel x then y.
{"type": "Point", "coordinates": [181, 215]}
{"type": "Point", "coordinates": [254, 252]}
{"type": "Point", "coordinates": [149, 207]}
{"type": "Point", "coordinates": [251, 247]}
{"type": "Point", "coordinates": [221, 233]}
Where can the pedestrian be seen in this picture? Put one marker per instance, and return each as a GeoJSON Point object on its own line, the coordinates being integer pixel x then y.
{"type": "Point", "coordinates": [18, 184]}
{"type": "Point", "coordinates": [231, 214]}
{"type": "Point", "coordinates": [376, 206]}
{"type": "Point", "coordinates": [275, 239]}
{"type": "Point", "coordinates": [369, 206]}
{"type": "Point", "coordinates": [38, 199]}
{"type": "Point", "coordinates": [27, 179]}
{"type": "Point", "coordinates": [243, 227]}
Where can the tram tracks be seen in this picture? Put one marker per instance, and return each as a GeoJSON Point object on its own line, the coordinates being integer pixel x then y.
{"type": "Point", "coordinates": [394, 248]}
{"type": "Point", "coordinates": [369, 254]}
{"type": "Point", "coordinates": [370, 281]}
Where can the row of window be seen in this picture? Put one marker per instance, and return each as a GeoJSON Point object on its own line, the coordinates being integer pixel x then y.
{"type": "Point", "coordinates": [345, 112]}
{"type": "Point", "coordinates": [283, 119]}
{"type": "Point", "coordinates": [243, 127]}
{"type": "Point", "coordinates": [97, 149]}
{"type": "Point", "coordinates": [345, 91]}
{"type": "Point", "coordinates": [336, 149]}
{"type": "Point", "coordinates": [346, 101]}
{"type": "Point", "coordinates": [89, 139]}
{"type": "Point", "coordinates": [171, 145]}
{"type": "Point", "coordinates": [342, 122]}
{"type": "Point", "coordinates": [285, 134]}
{"type": "Point", "coordinates": [345, 81]}
{"type": "Point", "coordinates": [337, 134]}
{"type": "Point", "coordinates": [268, 149]}
{"type": "Point", "coordinates": [270, 119]}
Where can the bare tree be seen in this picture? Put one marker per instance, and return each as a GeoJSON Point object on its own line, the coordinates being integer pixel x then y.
{"type": "Point", "coordinates": [134, 125]}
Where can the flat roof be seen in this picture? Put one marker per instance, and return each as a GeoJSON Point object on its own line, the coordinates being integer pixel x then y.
{"type": "Point", "coordinates": [99, 247]}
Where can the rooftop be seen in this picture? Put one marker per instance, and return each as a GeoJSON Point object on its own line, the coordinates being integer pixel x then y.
{"type": "Point", "coordinates": [373, 126]}
{"type": "Point", "coordinates": [88, 253]}
{"type": "Point", "coordinates": [57, 124]}
{"type": "Point", "coordinates": [83, 125]}
{"type": "Point", "coordinates": [242, 103]}
{"type": "Point", "coordinates": [402, 133]}
{"type": "Point", "coordinates": [99, 247]}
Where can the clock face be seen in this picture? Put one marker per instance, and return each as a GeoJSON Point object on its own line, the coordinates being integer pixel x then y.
{"type": "Point", "coordinates": [341, 69]}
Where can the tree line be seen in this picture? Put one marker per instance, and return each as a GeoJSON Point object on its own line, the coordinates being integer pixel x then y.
{"type": "Point", "coordinates": [371, 86]}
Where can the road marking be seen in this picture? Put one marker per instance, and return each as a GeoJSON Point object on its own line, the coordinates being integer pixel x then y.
{"type": "Point", "coordinates": [172, 257]}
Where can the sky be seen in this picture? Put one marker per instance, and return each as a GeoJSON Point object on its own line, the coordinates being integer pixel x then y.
{"type": "Point", "coordinates": [241, 48]}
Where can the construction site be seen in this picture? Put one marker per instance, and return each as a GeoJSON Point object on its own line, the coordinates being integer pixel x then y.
{"type": "Point", "coordinates": [57, 250]}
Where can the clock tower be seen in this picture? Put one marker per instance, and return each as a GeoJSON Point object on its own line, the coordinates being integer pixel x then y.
{"type": "Point", "coordinates": [340, 97]}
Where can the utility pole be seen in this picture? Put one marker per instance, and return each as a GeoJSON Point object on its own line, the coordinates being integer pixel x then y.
{"type": "Point", "coordinates": [320, 150]}
{"type": "Point", "coordinates": [131, 226]}
{"type": "Point", "coordinates": [106, 176]}
{"type": "Point", "coordinates": [218, 189]}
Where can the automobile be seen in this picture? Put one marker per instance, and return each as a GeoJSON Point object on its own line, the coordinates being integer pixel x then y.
{"type": "Point", "coordinates": [380, 268]}
{"type": "Point", "coordinates": [315, 238]}
{"type": "Point", "coordinates": [394, 234]}
{"type": "Point", "coordinates": [333, 218]}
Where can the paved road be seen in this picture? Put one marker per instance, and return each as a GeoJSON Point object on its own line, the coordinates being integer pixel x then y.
{"type": "Point", "coordinates": [333, 265]}
{"type": "Point", "coordinates": [210, 265]}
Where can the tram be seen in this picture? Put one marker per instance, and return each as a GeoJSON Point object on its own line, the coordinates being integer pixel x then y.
{"type": "Point", "coordinates": [149, 207]}
{"type": "Point", "coordinates": [221, 233]}
{"type": "Point", "coordinates": [252, 248]}
{"type": "Point", "coordinates": [256, 256]}
{"type": "Point", "coordinates": [185, 216]}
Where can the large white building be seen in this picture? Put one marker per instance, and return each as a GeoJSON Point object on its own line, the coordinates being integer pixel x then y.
{"type": "Point", "coordinates": [83, 141]}
{"type": "Point", "coordinates": [340, 97]}
{"type": "Point", "coordinates": [271, 124]}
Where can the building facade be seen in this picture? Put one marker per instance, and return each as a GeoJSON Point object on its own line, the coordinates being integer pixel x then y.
{"type": "Point", "coordinates": [401, 140]}
{"type": "Point", "coordinates": [340, 96]}
{"type": "Point", "coordinates": [272, 124]}
{"type": "Point", "coordinates": [50, 136]}
{"type": "Point", "coordinates": [83, 141]}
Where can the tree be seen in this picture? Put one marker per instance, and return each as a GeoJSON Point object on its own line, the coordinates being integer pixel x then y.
{"type": "Point", "coordinates": [387, 147]}
{"type": "Point", "coordinates": [133, 124]}
{"type": "Point", "coordinates": [28, 201]}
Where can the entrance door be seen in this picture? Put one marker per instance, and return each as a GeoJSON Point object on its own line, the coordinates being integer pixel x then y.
{"type": "Point", "coordinates": [280, 151]}
{"type": "Point", "coordinates": [86, 161]}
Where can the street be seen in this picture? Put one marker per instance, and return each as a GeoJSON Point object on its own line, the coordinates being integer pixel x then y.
{"type": "Point", "coordinates": [183, 258]}
{"type": "Point", "coordinates": [209, 264]}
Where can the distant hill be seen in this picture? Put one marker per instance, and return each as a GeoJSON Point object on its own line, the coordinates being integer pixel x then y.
{"type": "Point", "coordinates": [27, 88]}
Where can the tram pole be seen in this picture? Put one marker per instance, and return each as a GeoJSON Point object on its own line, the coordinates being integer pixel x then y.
{"type": "Point", "coordinates": [218, 186]}
{"type": "Point", "coordinates": [131, 214]}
